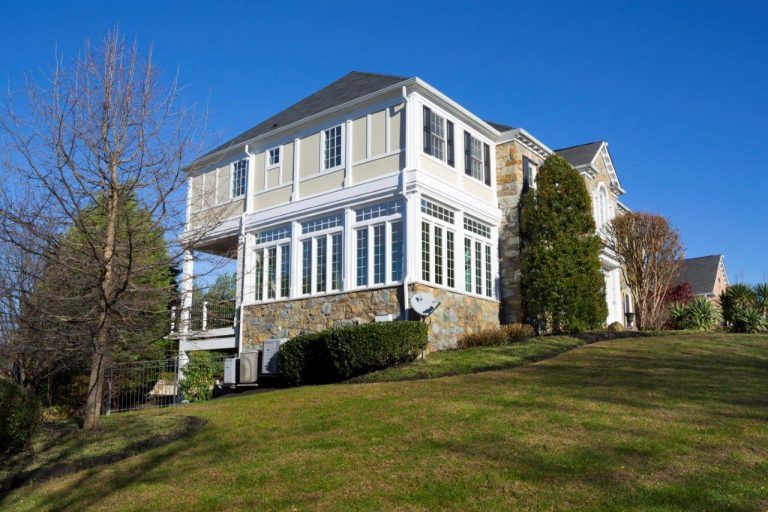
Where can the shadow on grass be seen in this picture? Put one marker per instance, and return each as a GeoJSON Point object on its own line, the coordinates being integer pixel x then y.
{"type": "Point", "coordinates": [64, 463]}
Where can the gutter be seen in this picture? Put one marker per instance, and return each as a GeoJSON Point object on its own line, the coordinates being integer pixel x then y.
{"type": "Point", "coordinates": [241, 240]}
{"type": "Point", "coordinates": [406, 248]}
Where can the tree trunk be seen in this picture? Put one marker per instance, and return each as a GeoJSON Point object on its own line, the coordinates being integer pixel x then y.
{"type": "Point", "coordinates": [95, 391]}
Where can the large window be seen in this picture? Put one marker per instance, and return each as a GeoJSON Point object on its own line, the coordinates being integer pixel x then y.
{"type": "Point", "coordinates": [478, 262]}
{"type": "Point", "coordinates": [477, 159]}
{"type": "Point", "coordinates": [379, 244]}
{"type": "Point", "coordinates": [321, 255]}
{"type": "Point", "coordinates": [438, 136]}
{"type": "Point", "coordinates": [272, 264]}
{"type": "Point", "coordinates": [239, 177]}
{"type": "Point", "coordinates": [437, 239]}
{"type": "Point", "coordinates": [332, 147]}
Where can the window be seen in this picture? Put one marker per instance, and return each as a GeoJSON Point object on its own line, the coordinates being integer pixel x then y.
{"type": "Point", "coordinates": [438, 136]}
{"type": "Point", "coordinates": [437, 245]}
{"type": "Point", "coordinates": [477, 159]}
{"type": "Point", "coordinates": [332, 147]}
{"type": "Point", "coordinates": [274, 157]}
{"type": "Point", "coordinates": [478, 258]}
{"type": "Point", "coordinates": [379, 244]}
{"type": "Point", "coordinates": [321, 255]}
{"type": "Point", "coordinates": [602, 212]}
{"type": "Point", "coordinates": [239, 177]}
{"type": "Point", "coordinates": [529, 174]}
{"type": "Point", "coordinates": [272, 265]}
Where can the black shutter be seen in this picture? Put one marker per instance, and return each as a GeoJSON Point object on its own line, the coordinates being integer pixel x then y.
{"type": "Point", "coordinates": [487, 163]}
{"type": "Point", "coordinates": [449, 136]}
{"type": "Point", "coordinates": [526, 174]}
{"type": "Point", "coordinates": [427, 131]}
{"type": "Point", "coordinates": [467, 154]}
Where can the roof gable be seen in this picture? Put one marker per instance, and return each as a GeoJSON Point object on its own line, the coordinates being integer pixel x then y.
{"type": "Point", "coordinates": [700, 273]}
{"type": "Point", "coordinates": [585, 155]}
{"type": "Point", "coordinates": [351, 86]}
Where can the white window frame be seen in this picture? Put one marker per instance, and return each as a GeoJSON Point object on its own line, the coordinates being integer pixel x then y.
{"type": "Point", "coordinates": [445, 226]}
{"type": "Point", "coordinates": [533, 170]}
{"type": "Point", "coordinates": [444, 139]}
{"type": "Point", "coordinates": [328, 234]}
{"type": "Point", "coordinates": [271, 153]}
{"type": "Point", "coordinates": [263, 249]}
{"type": "Point", "coordinates": [342, 147]}
{"type": "Point", "coordinates": [233, 171]}
{"type": "Point", "coordinates": [369, 225]}
{"type": "Point", "coordinates": [481, 160]}
{"type": "Point", "coordinates": [487, 252]}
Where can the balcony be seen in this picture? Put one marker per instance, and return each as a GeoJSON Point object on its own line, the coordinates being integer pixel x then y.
{"type": "Point", "coordinates": [209, 325]}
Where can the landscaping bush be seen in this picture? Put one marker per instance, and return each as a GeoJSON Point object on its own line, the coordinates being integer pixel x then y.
{"type": "Point", "coordinates": [20, 416]}
{"type": "Point", "coordinates": [616, 327]}
{"type": "Point", "coordinates": [699, 314]}
{"type": "Point", "coordinates": [339, 354]}
{"type": "Point", "coordinates": [484, 338]}
{"type": "Point", "coordinates": [199, 374]}
{"type": "Point", "coordinates": [517, 332]}
{"type": "Point", "coordinates": [749, 320]}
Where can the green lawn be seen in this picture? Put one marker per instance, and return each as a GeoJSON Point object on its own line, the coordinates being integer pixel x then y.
{"type": "Point", "coordinates": [660, 423]}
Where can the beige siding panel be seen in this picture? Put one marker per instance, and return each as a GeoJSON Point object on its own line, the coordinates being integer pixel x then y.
{"type": "Point", "coordinates": [375, 168]}
{"type": "Point", "coordinates": [439, 171]}
{"type": "Point", "coordinates": [378, 133]}
{"type": "Point", "coordinates": [310, 156]}
{"type": "Point", "coordinates": [273, 177]}
{"type": "Point", "coordinates": [286, 157]}
{"type": "Point", "coordinates": [324, 183]}
{"type": "Point", "coordinates": [212, 217]}
{"type": "Point", "coordinates": [225, 183]}
{"type": "Point", "coordinates": [258, 177]}
{"type": "Point", "coordinates": [273, 198]}
{"type": "Point", "coordinates": [397, 127]}
{"type": "Point", "coordinates": [478, 190]}
{"type": "Point", "coordinates": [359, 129]}
{"type": "Point", "coordinates": [209, 190]}
{"type": "Point", "coordinates": [196, 192]}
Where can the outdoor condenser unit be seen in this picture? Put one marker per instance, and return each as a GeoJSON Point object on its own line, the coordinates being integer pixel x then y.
{"type": "Point", "coordinates": [270, 360]}
{"type": "Point", "coordinates": [242, 370]}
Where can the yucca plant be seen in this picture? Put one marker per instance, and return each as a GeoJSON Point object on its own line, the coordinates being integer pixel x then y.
{"type": "Point", "coordinates": [736, 298]}
{"type": "Point", "coordinates": [699, 315]}
{"type": "Point", "coordinates": [749, 320]}
{"type": "Point", "coordinates": [761, 296]}
{"type": "Point", "coordinates": [677, 314]}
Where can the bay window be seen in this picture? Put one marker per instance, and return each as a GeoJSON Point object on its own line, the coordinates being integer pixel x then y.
{"type": "Point", "coordinates": [379, 244]}
{"type": "Point", "coordinates": [272, 264]}
{"type": "Point", "coordinates": [321, 255]}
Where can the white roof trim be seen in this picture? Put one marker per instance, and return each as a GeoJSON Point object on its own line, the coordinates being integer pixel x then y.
{"type": "Point", "coordinates": [527, 140]}
{"type": "Point", "coordinates": [608, 162]}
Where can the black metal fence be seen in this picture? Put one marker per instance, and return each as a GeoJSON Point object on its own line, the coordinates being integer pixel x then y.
{"type": "Point", "coordinates": [206, 315]}
{"type": "Point", "coordinates": [152, 384]}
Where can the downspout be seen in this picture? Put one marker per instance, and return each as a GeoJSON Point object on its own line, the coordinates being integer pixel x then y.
{"type": "Point", "coordinates": [407, 276]}
{"type": "Point", "coordinates": [241, 270]}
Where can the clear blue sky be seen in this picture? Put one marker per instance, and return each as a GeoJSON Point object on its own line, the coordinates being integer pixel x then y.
{"type": "Point", "coordinates": [678, 89]}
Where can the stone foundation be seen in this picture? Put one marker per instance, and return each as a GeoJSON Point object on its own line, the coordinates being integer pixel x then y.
{"type": "Point", "coordinates": [457, 314]}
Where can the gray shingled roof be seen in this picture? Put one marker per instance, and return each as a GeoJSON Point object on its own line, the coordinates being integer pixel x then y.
{"type": "Point", "coordinates": [580, 155]}
{"type": "Point", "coordinates": [347, 88]}
{"type": "Point", "coordinates": [700, 273]}
{"type": "Point", "coordinates": [499, 126]}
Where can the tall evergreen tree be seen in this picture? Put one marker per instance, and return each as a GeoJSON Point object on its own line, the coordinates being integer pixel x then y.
{"type": "Point", "coordinates": [563, 287]}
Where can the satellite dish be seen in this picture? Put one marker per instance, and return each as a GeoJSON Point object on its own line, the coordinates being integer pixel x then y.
{"type": "Point", "coordinates": [424, 303]}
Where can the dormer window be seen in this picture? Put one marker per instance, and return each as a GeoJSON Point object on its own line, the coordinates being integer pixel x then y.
{"type": "Point", "coordinates": [438, 136]}
{"type": "Point", "coordinates": [274, 157]}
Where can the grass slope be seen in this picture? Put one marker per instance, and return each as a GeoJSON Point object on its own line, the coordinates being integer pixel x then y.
{"type": "Point", "coordinates": [667, 423]}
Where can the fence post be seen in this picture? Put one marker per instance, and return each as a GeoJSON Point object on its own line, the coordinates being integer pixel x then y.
{"type": "Point", "coordinates": [205, 315]}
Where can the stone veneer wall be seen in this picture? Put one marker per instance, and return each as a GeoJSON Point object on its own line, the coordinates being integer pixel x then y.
{"type": "Point", "coordinates": [458, 314]}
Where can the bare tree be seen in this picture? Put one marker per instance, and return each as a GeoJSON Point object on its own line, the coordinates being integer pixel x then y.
{"type": "Point", "coordinates": [93, 174]}
{"type": "Point", "coordinates": [650, 253]}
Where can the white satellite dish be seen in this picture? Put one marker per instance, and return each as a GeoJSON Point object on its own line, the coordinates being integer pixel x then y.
{"type": "Point", "coordinates": [424, 303]}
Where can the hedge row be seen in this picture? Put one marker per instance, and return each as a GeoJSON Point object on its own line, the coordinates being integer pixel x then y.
{"type": "Point", "coordinates": [339, 354]}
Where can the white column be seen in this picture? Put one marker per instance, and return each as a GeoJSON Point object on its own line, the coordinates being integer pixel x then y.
{"type": "Point", "coordinates": [348, 153]}
{"type": "Point", "coordinates": [295, 260]}
{"type": "Point", "coordinates": [187, 279]}
{"type": "Point", "coordinates": [295, 175]}
{"type": "Point", "coordinates": [349, 261]}
{"type": "Point", "coordinates": [413, 246]}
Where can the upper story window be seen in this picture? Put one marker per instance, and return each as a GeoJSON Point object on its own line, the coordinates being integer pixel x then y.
{"type": "Point", "coordinates": [273, 158]}
{"type": "Point", "coordinates": [529, 174]}
{"type": "Point", "coordinates": [438, 136]}
{"type": "Point", "coordinates": [602, 208]}
{"type": "Point", "coordinates": [239, 177]}
{"type": "Point", "coordinates": [332, 147]}
{"type": "Point", "coordinates": [477, 159]}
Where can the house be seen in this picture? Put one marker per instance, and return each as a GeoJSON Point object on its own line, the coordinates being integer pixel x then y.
{"type": "Point", "coordinates": [706, 275]}
{"type": "Point", "coordinates": [342, 206]}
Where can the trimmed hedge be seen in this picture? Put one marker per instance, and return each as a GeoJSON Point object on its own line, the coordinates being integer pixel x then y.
{"type": "Point", "coordinates": [339, 354]}
{"type": "Point", "coordinates": [20, 417]}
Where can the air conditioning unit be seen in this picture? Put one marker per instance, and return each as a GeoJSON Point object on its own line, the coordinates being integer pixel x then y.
{"type": "Point", "coordinates": [270, 360]}
{"type": "Point", "coordinates": [242, 370]}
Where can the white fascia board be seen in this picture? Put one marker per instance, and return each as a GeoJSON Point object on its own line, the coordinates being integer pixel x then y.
{"type": "Point", "coordinates": [310, 119]}
{"type": "Point", "coordinates": [623, 206]}
{"type": "Point", "coordinates": [517, 133]}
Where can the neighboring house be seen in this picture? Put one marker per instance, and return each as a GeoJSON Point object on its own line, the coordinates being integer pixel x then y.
{"type": "Point", "coordinates": [376, 187]}
{"type": "Point", "coordinates": [706, 275]}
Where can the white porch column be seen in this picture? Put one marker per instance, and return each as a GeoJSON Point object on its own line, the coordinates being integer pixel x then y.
{"type": "Point", "coordinates": [187, 278]}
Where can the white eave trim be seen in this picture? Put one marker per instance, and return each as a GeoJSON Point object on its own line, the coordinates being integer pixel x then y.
{"type": "Point", "coordinates": [527, 140]}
